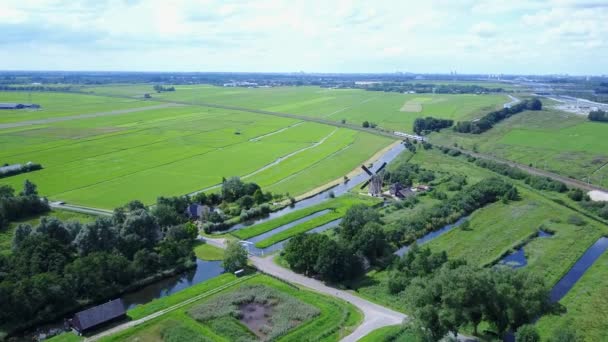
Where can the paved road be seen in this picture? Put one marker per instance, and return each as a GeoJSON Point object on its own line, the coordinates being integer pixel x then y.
{"type": "Point", "coordinates": [375, 316]}
{"type": "Point", "coordinates": [84, 210]}
{"type": "Point", "coordinates": [85, 116]}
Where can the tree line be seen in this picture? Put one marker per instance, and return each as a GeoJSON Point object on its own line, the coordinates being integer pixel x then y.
{"type": "Point", "coordinates": [5, 87]}
{"type": "Point", "coordinates": [444, 296]}
{"type": "Point", "coordinates": [360, 241]}
{"type": "Point", "coordinates": [430, 124]}
{"type": "Point", "coordinates": [422, 88]}
{"type": "Point", "coordinates": [469, 199]}
{"type": "Point", "coordinates": [56, 266]}
{"type": "Point", "coordinates": [598, 115]}
{"type": "Point", "coordinates": [25, 204]}
{"type": "Point", "coordinates": [489, 120]}
{"type": "Point", "coordinates": [160, 88]}
{"type": "Point", "coordinates": [28, 167]}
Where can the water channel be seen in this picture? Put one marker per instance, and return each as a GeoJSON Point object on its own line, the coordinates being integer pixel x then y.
{"type": "Point", "coordinates": [517, 259]}
{"type": "Point", "coordinates": [432, 235]}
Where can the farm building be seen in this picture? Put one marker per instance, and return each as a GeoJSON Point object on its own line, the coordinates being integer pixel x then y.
{"type": "Point", "coordinates": [18, 105]}
{"type": "Point", "coordinates": [98, 315]}
{"type": "Point", "coordinates": [196, 211]}
{"type": "Point", "coordinates": [8, 168]}
{"type": "Point", "coordinates": [400, 191]}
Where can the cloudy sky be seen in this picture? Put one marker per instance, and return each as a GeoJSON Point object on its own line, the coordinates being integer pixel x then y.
{"type": "Point", "coordinates": [468, 36]}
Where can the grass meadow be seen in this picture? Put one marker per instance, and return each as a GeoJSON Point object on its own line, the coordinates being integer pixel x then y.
{"type": "Point", "coordinates": [498, 229]}
{"type": "Point", "coordinates": [107, 161]}
{"type": "Point", "coordinates": [560, 142]}
{"type": "Point", "coordinates": [352, 105]}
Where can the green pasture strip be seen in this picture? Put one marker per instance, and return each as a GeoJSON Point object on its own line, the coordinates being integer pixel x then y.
{"type": "Point", "coordinates": [338, 211]}
{"type": "Point", "coordinates": [391, 333]}
{"type": "Point", "coordinates": [264, 227]}
{"type": "Point", "coordinates": [585, 306]}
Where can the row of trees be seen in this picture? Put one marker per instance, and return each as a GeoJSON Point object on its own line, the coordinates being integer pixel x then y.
{"type": "Point", "coordinates": [28, 167]}
{"type": "Point", "coordinates": [360, 241]}
{"type": "Point", "coordinates": [537, 182]}
{"type": "Point", "coordinates": [367, 124]}
{"type": "Point", "coordinates": [18, 206]}
{"type": "Point", "coordinates": [6, 87]}
{"type": "Point", "coordinates": [431, 124]}
{"type": "Point", "coordinates": [598, 115]}
{"type": "Point", "coordinates": [489, 120]}
{"type": "Point", "coordinates": [402, 87]}
{"type": "Point", "coordinates": [406, 173]}
{"type": "Point", "coordinates": [160, 88]}
{"type": "Point", "coordinates": [57, 266]}
{"type": "Point", "coordinates": [463, 203]}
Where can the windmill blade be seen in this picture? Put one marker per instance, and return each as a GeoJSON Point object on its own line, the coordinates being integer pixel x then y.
{"type": "Point", "coordinates": [365, 184]}
{"type": "Point", "coordinates": [381, 167]}
{"type": "Point", "coordinates": [366, 170]}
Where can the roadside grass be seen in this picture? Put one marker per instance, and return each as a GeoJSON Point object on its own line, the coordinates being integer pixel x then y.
{"type": "Point", "coordinates": [66, 337]}
{"type": "Point", "coordinates": [392, 333]}
{"type": "Point", "coordinates": [339, 207]}
{"type": "Point", "coordinates": [205, 251]}
{"type": "Point", "coordinates": [337, 318]}
{"type": "Point", "coordinates": [6, 236]}
{"type": "Point", "coordinates": [585, 306]}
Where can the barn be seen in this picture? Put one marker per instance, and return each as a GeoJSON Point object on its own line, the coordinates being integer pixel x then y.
{"type": "Point", "coordinates": [98, 315]}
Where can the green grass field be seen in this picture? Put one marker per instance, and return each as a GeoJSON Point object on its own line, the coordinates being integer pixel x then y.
{"type": "Point", "coordinates": [6, 236]}
{"type": "Point", "coordinates": [107, 161]}
{"type": "Point", "coordinates": [63, 104]}
{"type": "Point", "coordinates": [336, 319]}
{"type": "Point", "coordinates": [352, 105]}
{"type": "Point", "coordinates": [499, 228]}
{"type": "Point", "coordinates": [338, 207]}
{"type": "Point", "coordinates": [560, 142]}
{"type": "Point", "coordinates": [205, 251]}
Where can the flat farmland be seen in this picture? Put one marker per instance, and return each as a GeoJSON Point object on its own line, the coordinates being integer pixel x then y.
{"type": "Point", "coordinates": [560, 142]}
{"type": "Point", "coordinates": [352, 105]}
{"type": "Point", "coordinates": [63, 104]}
{"type": "Point", "coordinates": [107, 161]}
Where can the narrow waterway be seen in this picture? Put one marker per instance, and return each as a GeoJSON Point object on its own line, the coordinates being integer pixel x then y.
{"type": "Point", "coordinates": [204, 271]}
{"type": "Point", "coordinates": [432, 235]}
{"type": "Point", "coordinates": [338, 190]}
{"type": "Point", "coordinates": [287, 226]}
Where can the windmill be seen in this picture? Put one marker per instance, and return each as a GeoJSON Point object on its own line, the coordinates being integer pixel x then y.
{"type": "Point", "coordinates": [375, 180]}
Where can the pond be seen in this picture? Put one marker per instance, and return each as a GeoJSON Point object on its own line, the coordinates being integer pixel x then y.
{"type": "Point", "coordinates": [432, 235]}
{"type": "Point", "coordinates": [517, 259]}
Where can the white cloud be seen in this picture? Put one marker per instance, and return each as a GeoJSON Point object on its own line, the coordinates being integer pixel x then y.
{"type": "Point", "coordinates": [316, 35]}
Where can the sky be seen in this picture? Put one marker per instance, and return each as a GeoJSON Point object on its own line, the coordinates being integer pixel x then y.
{"type": "Point", "coordinates": [430, 36]}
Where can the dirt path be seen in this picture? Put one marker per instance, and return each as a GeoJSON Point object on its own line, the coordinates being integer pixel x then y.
{"type": "Point", "coordinates": [85, 116]}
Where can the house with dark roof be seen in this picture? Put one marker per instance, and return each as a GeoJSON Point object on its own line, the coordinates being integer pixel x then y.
{"type": "Point", "coordinates": [196, 211]}
{"type": "Point", "coordinates": [399, 191]}
{"type": "Point", "coordinates": [98, 315]}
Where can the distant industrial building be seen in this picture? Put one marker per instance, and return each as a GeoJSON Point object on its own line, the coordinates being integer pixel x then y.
{"type": "Point", "coordinates": [98, 315]}
{"type": "Point", "coordinates": [18, 105]}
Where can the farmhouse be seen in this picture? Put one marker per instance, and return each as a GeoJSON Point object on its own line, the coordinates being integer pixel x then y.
{"type": "Point", "coordinates": [98, 315]}
{"type": "Point", "coordinates": [18, 105]}
{"type": "Point", "coordinates": [196, 211]}
{"type": "Point", "coordinates": [399, 191]}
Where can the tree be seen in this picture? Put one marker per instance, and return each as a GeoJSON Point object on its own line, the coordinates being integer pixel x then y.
{"type": "Point", "coordinates": [371, 242]}
{"type": "Point", "coordinates": [565, 333]}
{"type": "Point", "coordinates": [135, 205]}
{"type": "Point", "coordinates": [302, 251]}
{"type": "Point", "coordinates": [355, 219]}
{"type": "Point", "coordinates": [365, 124]}
{"type": "Point", "coordinates": [259, 197]}
{"type": "Point", "coordinates": [29, 189]}
{"type": "Point", "coordinates": [22, 231]}
{"type": "Point", "coordinates": [246, 201]}
{"type": "Point", "coordinates": [232, 189]}
{"type": "Point", "coordinates": [235, 257]}
{"type": "Point", "coordinates": [527, 333]}
{"type": "Point", "coordinates": [576, 194]}
{"type": "Point", "coordinates": [335, 262]}
{"type": "Point", "coordinates": [96, 236]}
{"type": "Point", "coordinates": [6, 191]}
